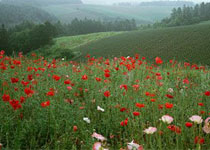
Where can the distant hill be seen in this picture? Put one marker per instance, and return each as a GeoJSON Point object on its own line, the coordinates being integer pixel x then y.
{"type": "Point", "coordinates": [12, 14]}
{"type": "Point", "coordinates": [167, 3]}
{"type": "Point", "coordinates": [43, 2]}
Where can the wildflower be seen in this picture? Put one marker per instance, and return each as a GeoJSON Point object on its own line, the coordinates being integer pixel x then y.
{"type": "Point", "coordinates": [15, 104]}
{"type": "Point", "coordinates": [169, 96]}
{"type": "Point", "coordinates": [28, 91]}
{"type": "Point", "coordinates": [14, 80]}
{"type": "Point", "coordinates": [124, 123]}
{"type": "Point", "coordinates": [196, 119]}
{"type": "Point", "coordinates": [84, 77]}
{"type": "Point", "coordinates": [199, 140]}
{"type": "Point", "coordinates": [167, 119]}
{"type": "Point", "coordinates": [107, 94]}
{"type": "Point", "coordinates": [133, 145]}
{"type": "Point", "coordinates": [45, 104]}
{"type": "Point", "coordinates": [75, 128]}
{"type": "Point", "coordinates": [69, 88]}
{"type": "Point", "coordinates": [6, 97]}
{"type": "Point", "coordinates": [98, 146]}
{"type": "Point", "coordinates": [174, 129]}
{"type": "Point", "coordinates": [188, 124]}
{"type": "Point", "coordinates": [56, 77]}
{"type": "Point", "coordinates": [206, 127]}
{"type": "Point", "coordinates": [158, 60]}
{"type": "Point", "coordinates": [86, 119]}
{"type": "Point", "coordinates": [140, 105]}
{"type": "Point", "coordinates": [170, 90]}
{"type": "Point", "coordinates": [67, 81]}
{"type": "Point", "coordinates": [150, 130]}
{"type": "Point", "coordinates": [98, 136]}
{"type": "Point", "coordinates": [100, 109]}
{"type": "Point", "coordinates": [207, 93]}
{"type": "Point", "coordinates": [136, 113]}
{"type": "Point", "coordinates": [168, 105]}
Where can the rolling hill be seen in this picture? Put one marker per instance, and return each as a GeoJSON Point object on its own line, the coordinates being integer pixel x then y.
{"type": "Point", "coordinates": [186, 43]}
{"type": "Point", "coordinates": [14, 14]}
{"type": "Point", "coordinates": [142, 14]}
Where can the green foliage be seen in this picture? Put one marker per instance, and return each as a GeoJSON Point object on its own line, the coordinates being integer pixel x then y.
{"type": "Point", "coordinates": [4, 38]}
{"type": "Point", "coordinates": [188, 15]}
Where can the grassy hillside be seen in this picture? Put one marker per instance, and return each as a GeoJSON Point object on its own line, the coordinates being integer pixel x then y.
{"type": "Point", "coordinates": [64, 45]}
{"type": "Point", "coordinates": [142, 14]}
{"type": "Point", "coordinates": [14, 14]}
{"type": "Point", "coordinates": [188, 43]}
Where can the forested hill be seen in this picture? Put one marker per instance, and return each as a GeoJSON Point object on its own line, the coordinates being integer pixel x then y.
{"type": "Point", "coordinates": [42, 2]}
{"type": "Point", "coordinates": [13, 14]}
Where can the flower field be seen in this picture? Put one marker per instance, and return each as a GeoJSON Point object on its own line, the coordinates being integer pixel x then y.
{"type": "Point", "coordinates": [122, 103]}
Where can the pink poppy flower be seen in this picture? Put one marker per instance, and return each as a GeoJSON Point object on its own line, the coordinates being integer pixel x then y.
{"type": "Point", "coordinates": [98, 136]}
{"type": "Point", "coordinates": [196, 119]}
{"type": "Point", "coordinates": [150, 130]}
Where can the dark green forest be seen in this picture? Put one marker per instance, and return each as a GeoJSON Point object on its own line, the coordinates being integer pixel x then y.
{"type": "Point", "coordinates": [187, 15]}
{"type": "Point", "coordinates": [28, 36]}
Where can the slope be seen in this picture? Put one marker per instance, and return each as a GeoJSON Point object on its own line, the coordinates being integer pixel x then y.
{"type": "Point", "coordinates": [186, 43]}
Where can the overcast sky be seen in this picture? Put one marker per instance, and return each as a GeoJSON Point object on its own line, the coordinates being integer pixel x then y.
{"type": "Point", "coordinates": [117, 1]}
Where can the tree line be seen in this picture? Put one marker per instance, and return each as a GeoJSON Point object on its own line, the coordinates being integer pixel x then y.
{"type": "Point", "coordinates": [28, 36]}
{"type": "Point", "coordinates": [187, 15]}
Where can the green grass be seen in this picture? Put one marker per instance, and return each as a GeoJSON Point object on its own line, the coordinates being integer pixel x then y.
{"type": "Point", "coordinates": [186, 43]}
{"type": "Point", "coordinates": [69, 43]}
{"type": "Point", "coordinates": [142, 14]}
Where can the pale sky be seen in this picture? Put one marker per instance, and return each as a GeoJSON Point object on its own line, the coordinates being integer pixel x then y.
{"type": "Point", "coordinates": [117, 1]}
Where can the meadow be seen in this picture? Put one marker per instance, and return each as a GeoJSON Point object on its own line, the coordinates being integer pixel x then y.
{"type": "Point", "coordinates": [117, 103]}
{"type": "Point", "coordinates": [63, 45]}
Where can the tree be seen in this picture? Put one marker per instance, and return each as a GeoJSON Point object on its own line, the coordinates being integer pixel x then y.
{"type": "Point", "coordinates": [4, 39]}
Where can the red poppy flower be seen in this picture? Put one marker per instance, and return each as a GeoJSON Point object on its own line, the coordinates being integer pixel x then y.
{"type": "Point", "coordinates": [84, 77]}
{"type": "Point", "coordinates": [56, 77]}
{"type": "Point", "coordinates": [158, 60]}
{"type": "Point", "coordinates": [15, 104]}
{"type": "Point", "coordinates": [98, 79]}
{"type": "Point", "coordinates": [75, 128]}
{"type": "Point", "coordinates": [207, 93]}
{"type": "Point", "coordinates": [136, 113]}
{"type": "Point", "coordinates": [123, 109]}
{"type": "Point", "coordinates": [199, 140]}
{"type": "Point", "coordinates": [168, 105]}
{"type": "Point", "coordinates": [107, 75]}
{"type": "Point", "coordinates": [200, 104]}
{"type": "Point", "coordinates": [169, 96]}
{"type": "Point", "coordinates": [50, 93]}
{"type": "Point", "coordinates": [67, 81]}
{"type": "Point", "coordinates": [107, 93]}
{"type": "Point", "coordinates": [45, 104]}
{"type": "Point", "coordinates": [124, 123]}
{"type": "Point", "coordinates": [140, 105]}
{"type": "Point", "coordinates": [6, 97]}
{"type": "Point", "coordinates": [14, 80]}
{"type": "Point", "coordinates": [28, 91]}
{"type": "Point", "coordinates": [188, 124]}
